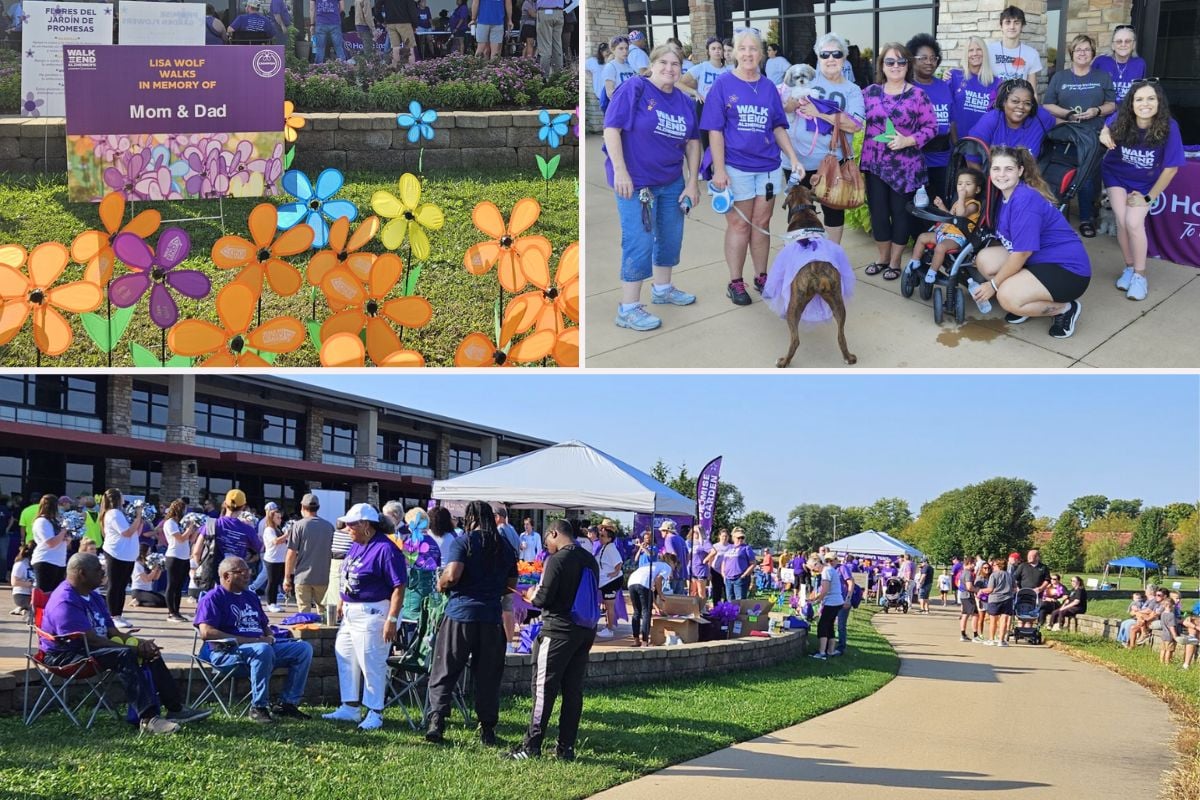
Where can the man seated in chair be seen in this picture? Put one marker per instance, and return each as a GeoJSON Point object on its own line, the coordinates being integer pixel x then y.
{"type": "Point", "coordinates": [253, 24]}
{"type": "Point", "coordinates": [234, 613]}
{"type": "Point", "coordinates": [75, 607]}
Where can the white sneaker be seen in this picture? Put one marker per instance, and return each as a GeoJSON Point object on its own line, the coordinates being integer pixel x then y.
{"type": "Point", "coordinates": [1056, 627]}
{"type": "Point", "coordinates": [344, 713]}
{"type": "Point", "coordinates": [373, 722]}
{"type": "Point", "coordinates": [1123, 281]}
{"type": "Point", "coordinates": [604, 633]}
{"type": "Point", "coordinates": [1137, 287]}
{"type": "Point", "coordinates": [988, 642]}
{"type": "Point", "coordinates": [17, 612]}
{"type": "Point", "coordinates": [1002, 643]}
{"type": "Point", "coordinates": [121, 622]}
{"type": "Point", "coordinates": [274, 609]}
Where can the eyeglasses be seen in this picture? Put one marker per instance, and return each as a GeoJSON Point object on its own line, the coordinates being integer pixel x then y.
{"type": "Point", "coordinates": [238, 572]}
{"type": "Point", "coordinates": [895, 62]}
{"type": "Point", "coordinates": [1145, 82]}
{"type": "Point", "coordinates": [825, 55]}
{"type": "Point", "coordinates": [933, 59]}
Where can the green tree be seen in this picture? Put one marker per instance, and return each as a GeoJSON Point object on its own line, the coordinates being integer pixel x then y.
{"type": "Point", "coordinates": [1128, 508]}
{"type": "Point", "coordinates": [989, 518]}
{"type": "Point", "coordinates": [760, 528]}
{"type": "Point", "coordinates": [928, 535]}
{"type": "Point", "coordinates": [1064, 551]}
{"type": "Point", "coordinates": [1177, 513]}
{"type": "Point", "coordinates": [810, 526]}
{"type": "Point", "coordinates": [1113, 523]}
{"type": "Point", "coordinates": [1151, 539]}
{"type": "Point", "coordinates": [1101, 550]}
{"type": "Point", "coordinates": [660, 472]}
{"type": "Point", "coordinates": [887, 514]}
{"type": "Point", "coordinates": [1088, 507]}
{"type": "Point", "coordinates": [850, 521]}
{"type": "Point", "coordinates": [1187, 553]}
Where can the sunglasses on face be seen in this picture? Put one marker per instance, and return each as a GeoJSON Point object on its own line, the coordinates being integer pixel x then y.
{"type": "Point", "coordinates": [895, 62]}
{"type": "Point", "coordinates": [828, 54]}
{"type": "Point", "coordinates": [740, 31]}
{"type": "Point", "coordinates": [1146, 82]}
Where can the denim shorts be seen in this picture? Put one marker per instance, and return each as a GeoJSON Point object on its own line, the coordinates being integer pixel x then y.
{"type": "Point", "coordinates": [489, 34]}
{"type": "Point", "coordinates": [748, 185]}
{"type": "Point", "coordinates": [643, 249]}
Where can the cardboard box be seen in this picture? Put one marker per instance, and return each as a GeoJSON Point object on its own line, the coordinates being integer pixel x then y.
{"type": "Point", "coordinates": [744, 624]}
{"type": "Point", "coordinates": [681, 606]}
{"type": "Point", "coordinates": [688, 630]}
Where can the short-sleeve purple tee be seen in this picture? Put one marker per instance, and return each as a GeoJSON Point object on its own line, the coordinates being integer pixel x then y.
{"type": "Point", "coordinates": [699, 553]}
{"type": "Point", "coordinates": [240, 614]}
{"type": "Point", "coordinates": [940, 98]}
{"type": "Point", "coordinates": [1029, 223]}
{"type": "Point", "coordinates": [1123, 75]}
{"type": "Point", "coordinates": [372, 571]}
{"type": "Point", "coordinates": [747, 113]}
{"type": "Point", "coordinates": [234, 537]}
{"type": "Point", "coordinates": [68, 611]}
{"type": "Point", "coordinates": [993, 128]}
{"type": "Point", "coordinates": [329, 12]}
{"type": "Point", "coordinates": [1138, 166]}
{"type": "Point", "coordinates": [737, 559]}
{"type": "Point", "coordinates": [970, 100]}
{"type": "Point", "coordinates": [655, 129]}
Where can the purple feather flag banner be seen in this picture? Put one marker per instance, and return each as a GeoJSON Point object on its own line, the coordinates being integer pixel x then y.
{"type": "Point", "coordinates": [706, 494]}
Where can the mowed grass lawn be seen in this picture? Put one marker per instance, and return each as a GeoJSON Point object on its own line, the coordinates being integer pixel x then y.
{"type": "Point", "coordinates": [626, 732]}
{"type": "Point", "coordinates": [34, 209]}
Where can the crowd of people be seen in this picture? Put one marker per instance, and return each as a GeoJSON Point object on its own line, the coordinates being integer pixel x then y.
{"type": "Point", "coordinates": [761, 133]}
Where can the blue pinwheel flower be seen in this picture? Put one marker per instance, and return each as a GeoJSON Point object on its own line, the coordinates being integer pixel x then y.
{"type": "Point", "coordinates": [316, 208]}
{"type": "Point", "coordinates": [419, 123]}
{"type": "Point", "coordinates": [553, 130]}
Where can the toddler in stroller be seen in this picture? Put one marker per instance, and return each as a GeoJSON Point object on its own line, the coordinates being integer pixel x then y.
{"type": "Point", "coordinates": [946, 237]}
{"type": "Point", "coordinates": [895, 595]}
{"type": "Point", "coordinates": [1027, 611]}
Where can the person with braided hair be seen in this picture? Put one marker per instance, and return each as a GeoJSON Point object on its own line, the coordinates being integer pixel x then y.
{"type": "Point", "coordinates": [477, 569]}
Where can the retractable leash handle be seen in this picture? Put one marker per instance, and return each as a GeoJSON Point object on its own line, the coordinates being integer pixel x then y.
{"type": "Point", "coordinates": [647, 199]}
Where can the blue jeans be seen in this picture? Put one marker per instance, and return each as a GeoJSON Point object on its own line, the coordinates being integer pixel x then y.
{"type": "Point", "coordinates": [735, 589]}
{"type": "Point", "coordinates": [261, 659]}
{"type": "Point", "coordinates": [1087, 198]}
{"type": "Point", "coordinates": [1123, 631]}
{"type": "Point", "coordinates": [323, 34]}
{"type": "Point", "coordinates": [843, 617]}
{"type": "Point", "coordinates": [642, 249]}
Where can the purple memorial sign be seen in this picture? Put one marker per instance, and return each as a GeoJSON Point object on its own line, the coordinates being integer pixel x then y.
{"type": "Point", "coordinates": [706, 494]}
{"type": "Point", "coordinates": [1173, 226]}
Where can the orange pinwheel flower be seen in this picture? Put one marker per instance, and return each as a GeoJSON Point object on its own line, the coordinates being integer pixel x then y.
{"type": "Point", "coordinates": [292, 122]}
{"type": "Point", "coordinates": [566, 348]}
{"type": "Point", "coordinates": [347, 350]}
{"type": "Point", "coordinates": [360, 306]}
{"type": "Point", "coordinates": [477, 350]}
{"type": "Point", "coordinates": [264, 253]}
{"type": "Point", "coordinates": [225, 345]}
{"type": "Point", "coordinates": [94, 248]}
{"type": "Point", "coordinates": [521, 260]}
{"type": "Point", "coordinates": [545, 307]}
{"type": "Point", "coordinates": [22, 295]}
{"type": "Point", "coordinates": [343, 249]}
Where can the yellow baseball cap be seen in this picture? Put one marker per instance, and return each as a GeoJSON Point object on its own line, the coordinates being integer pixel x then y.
{"type": "Point", "coordinates": [235, 498]}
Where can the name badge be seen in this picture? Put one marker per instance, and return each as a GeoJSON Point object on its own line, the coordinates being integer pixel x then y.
{"type": "Point", "coordinates": [551, 10]}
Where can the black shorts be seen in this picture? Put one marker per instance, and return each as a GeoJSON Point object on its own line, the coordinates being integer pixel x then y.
{"type": "Point", "coordinates": [1062, 284]}
{"type": "Point", "coordinates": [1001, 609]}
{"type": "Point", "coordinates": [968, 606]}
{"type": "Point", "coordinates": [528, 32]}
{"type": "Point", "coordinates": [609, 590]}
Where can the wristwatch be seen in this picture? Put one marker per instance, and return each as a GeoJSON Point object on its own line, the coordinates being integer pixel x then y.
{"type": "Point", "coordinates": [1149, 199]}
{"type": "Point", "coordinates": [393, 620]}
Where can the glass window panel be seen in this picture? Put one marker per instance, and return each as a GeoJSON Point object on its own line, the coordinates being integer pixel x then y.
{"type": "Point", "coordinates": [80, 472]}
{"type": "Point", "coordinates": [12, 389]}
{"type": "Point", "coordinates": [917, 20]}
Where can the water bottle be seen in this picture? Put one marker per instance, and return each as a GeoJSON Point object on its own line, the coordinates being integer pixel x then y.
{"type": "Point", "coordinates": [921, 198]}
{"type": "Point", "coordinates": [685, 205]}
{"type": "Point", "coordinates": [986, 305]}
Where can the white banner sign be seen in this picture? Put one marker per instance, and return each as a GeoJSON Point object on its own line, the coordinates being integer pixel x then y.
{"type": "Point", "coordinates": [48, 26]}
{"type": "Point", "coordinates": [160, 23]}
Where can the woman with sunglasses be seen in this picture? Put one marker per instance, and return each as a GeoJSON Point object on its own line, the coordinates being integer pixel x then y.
{"type": "Point", "coordinates": [649, 133]}
{"type": "Point", "coordinates": [1082, 95]}
{"type": "Point", "coordinates": [616, 71]}
{"type": "Point", "coordinates": [972, 89]}
{"type": "Point", "coordinates": [927, 55]}
{"type": "Point", "coordinates": [832, 85]}
{"type": "Point", "coordinates": [1017, 120]}
{"type": "Point", "coordinates": [748, 130]}
{"type": "Point", "coordinates": [900, 120]}
{"type": "Point", "coordinates": [1122, 66]}
{"type": "Point", "coordinates": [1144, 153]}
{"type": "Point", "coordinates": [700, 78]}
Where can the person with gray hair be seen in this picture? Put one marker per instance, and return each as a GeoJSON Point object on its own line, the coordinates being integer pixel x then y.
{"type": "Point", "coordinates": [76, 613]}
{"type": "Point", "coordinates": [236, 632]}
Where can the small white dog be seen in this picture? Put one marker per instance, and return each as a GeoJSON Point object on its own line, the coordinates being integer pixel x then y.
{"type": "Point", "coordinates": [797, 79]}
{"type": "Point", "coordinates": [1108, 220]}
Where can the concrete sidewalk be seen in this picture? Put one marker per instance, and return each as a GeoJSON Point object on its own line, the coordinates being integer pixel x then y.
{"type": "Point", "coordinates": [960, 720]}
{"type": "Point", "coordinates": [883, 328]}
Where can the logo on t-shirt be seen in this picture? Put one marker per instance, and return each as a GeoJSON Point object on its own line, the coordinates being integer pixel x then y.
{"type": "Point", "coordinates": [1138, 157]}
{"type": "Point", "coordinates": [673, 126]}
{"type": "Point", "coordinates": [99, 622]}
{"type": "Point", "coordinates": [976, 101]}
{"type": "Point", "coordinates": [942, 111]}
{"type": "Point", "coordinates": [752, 119]}
{"type": "Point", "coordinates": [246, 619]}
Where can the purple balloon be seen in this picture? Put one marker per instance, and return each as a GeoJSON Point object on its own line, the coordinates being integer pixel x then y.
{"type": "Point", "coordinates": [163, 311]}
{"type": "Point", "coordinates": [190, 282]}
{"type": "Point", "coordinates": [126, 290]}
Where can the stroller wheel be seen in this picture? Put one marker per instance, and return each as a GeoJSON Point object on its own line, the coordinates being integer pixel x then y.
{"type": "Point", "coordinates": [905, 608]}
{"type": "Point", "coordinates": [908, 281]}
{"type": "Point", "coordinates": [960, 305]}
{"type": "Point", "coordinates": [937, 305]}
{"type": "Point", "coordinates": [926, 290]}
{"type": "Point", "coordinates": [885, 609]}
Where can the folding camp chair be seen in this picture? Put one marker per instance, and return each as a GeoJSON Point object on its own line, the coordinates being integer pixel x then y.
{"type": "Point", "coordinates": [408, 667]}
{"type": "Point", "coordinates": [220, 683]}
{"type": "Point", "coordinates": [58, 681]}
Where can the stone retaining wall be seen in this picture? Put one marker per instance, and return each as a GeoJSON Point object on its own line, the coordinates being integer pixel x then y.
{"type": "Point", "coordinates": [473, 139]}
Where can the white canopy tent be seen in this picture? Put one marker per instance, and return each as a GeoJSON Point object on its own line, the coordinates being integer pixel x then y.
{"type": "Point", "coordinates": [873, 543]}
{"type": "Point", "coordinates": [566, 476]}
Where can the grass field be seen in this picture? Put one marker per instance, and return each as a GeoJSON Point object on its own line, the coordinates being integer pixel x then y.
{"type": "Point", "coordinates": [626, 732]}
{"type": "Point", "coordinates": [34, 209]}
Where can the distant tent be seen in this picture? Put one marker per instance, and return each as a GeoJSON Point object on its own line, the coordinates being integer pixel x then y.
{"type": "Point", "coordinates": [1128, 562]}
{"type": "Point", "coordinates": [873, 543]}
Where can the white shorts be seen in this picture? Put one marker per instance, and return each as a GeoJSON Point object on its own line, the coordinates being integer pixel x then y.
{"type": "Point", "coordinates": [489, 34]}
{"type": "Point", "coordinates": [748, 185]}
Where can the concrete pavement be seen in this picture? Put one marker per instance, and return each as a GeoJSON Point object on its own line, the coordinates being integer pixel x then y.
{"type": "Point", "coordinates": [883, 329]}
{"type": "Point", "coordinates": [960, 720]}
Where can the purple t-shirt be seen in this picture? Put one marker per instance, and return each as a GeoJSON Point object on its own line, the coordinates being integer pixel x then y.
{"type": "Point", "coordinates": [747, 114]}
{"type": "Point", "coordinates": [674, 543]}
{"type": "Point", "coordinates": [1123, 75]}
{"type": "Point", "coordinates": [993, 128]}
{"type": "Point", "coordinates": [939, 96]}
{"type": "Point", "coordinates": [239, 614]}
{"type": "Point", "coordinates": [282, 9]}
{"type": "Point", "coordinates": [1028, 222]}
{"type": "Point", "coordinates": [737, 559]}
{"type": "Point", "coordinates": [257, 23]}
{"type": "Point", "coordinates": [655, 129]}
{"type": "Point", "coordinates": [329, 12]}
{"type": "Point", "coordinates": [971, 100]}
{"type": "Point", "coordinates": [235, 538]}
{"type": "Point", "coordinates": [1138, 166]}
{"type": "Point", "coordinates": [372, 571]}
{"type": "Point", "coordinates": [67, 611]}
{"type": "Point", "coordinates": [699, 553]}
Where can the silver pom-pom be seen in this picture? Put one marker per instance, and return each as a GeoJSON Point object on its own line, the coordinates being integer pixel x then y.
{"type": "Point", "coordinates": [149, 512]}
{"type": "Point", "coordinates": [194, 518]}
{"type": "Point", "coordinates": [249, 518]}
{"type": "Point", "coordinates": [155, 561]}
{"type": "Point", "coordinates": [74, 522]}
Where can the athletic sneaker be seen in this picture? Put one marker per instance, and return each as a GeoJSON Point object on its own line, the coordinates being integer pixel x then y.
{"type": "Point", "coordinates": [156, 726]}
{"type": "Point", "coordinates": [672, 296]}
{"type": "Point", "coordinates": [344, 713]}
{"type": "Point", "coordinates": [834, 654]}
{"type": "Point", "coordinates": [262, 715]}
{"type": "Point", "coordinates": [372, 722]}
{"type": "Point", "coordinates": [819, 656]}
{"type": "Point", "coordinates": [736, 291]}
{"type": "Point", "coordinates": [965, 638]}
{"type": "Point", "coordinates": [121, 622]}
{"type": "Point", "coordinates": [1137, 287]}
{"type": "Point", "coordinates": [1123, 281]}
{"type": "Point", "coordinates": [1013, 319]}
{"type": "Point", "coordinates": [760, 281]}
{"type": "Point", "coordinates": [977, 638]}
{"type": "Point", "coordinates": [188, 714]}
{"type": "Point", "coordinates": [274, 609]}
{"type": "Point", "coordinates": [287, 710]}
{"type": "Point", "coordinates": [1002, 643]}
{"type": "Point", "coordinates": [564, 753]}
{"type": "Point", "coordinates": [524, 754]}
{"type": "Point", "coordinates": [604, 633]}
{"type": "Point", "coordinates": [637, 319]}
{"type": "Point", "coordinates": [1064, 323]}
{"type": "Point", "coordinates": [988, 642]}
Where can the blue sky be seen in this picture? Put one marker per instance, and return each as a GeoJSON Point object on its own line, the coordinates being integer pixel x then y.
{"type": "Point", "coordinates": [849, 440]}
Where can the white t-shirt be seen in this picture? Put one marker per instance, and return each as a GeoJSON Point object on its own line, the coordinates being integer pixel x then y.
{"type": "Point", "coordinates": [1013, 62]}
{"type": "Point", "coordinates": [641, 576]}
{"type": "Point", "coordinates": [141, 578]}
{"type": "Point", "coordinates": [610, 561]}
{"type": "Point", "coordinates": [616, 72]}
{"type": "Point", "coordinates": [776, 67]}
{"type": "Point", "coordinates": [22, 571]}
{"type": "Point", "coordinates": [122, 548]}
{"type": "Point", "coordinates": [705, 74]}
{"type": "Point", "coordinates": [597, 69]}
{"type": "Point", "coordinates": [274, 553]}
{"type": "Point", "coordinates": [834, 595]}
{"type": "Point", "coordinates": [43, 531]}
{"type": "Point", "coordinates": [175, 547]}
{"type": "Point", "coordinates": [638, 58]}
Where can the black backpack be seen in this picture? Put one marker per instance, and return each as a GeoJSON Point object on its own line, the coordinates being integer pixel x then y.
{"type": "Point", "coordinates": [210, 558]}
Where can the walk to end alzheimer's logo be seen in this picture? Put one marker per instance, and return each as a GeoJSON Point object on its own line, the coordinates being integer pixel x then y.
{"type": "Point", "coordinates": [1182, 209]}
{"type": "Point", "coordinates": [81, 58]}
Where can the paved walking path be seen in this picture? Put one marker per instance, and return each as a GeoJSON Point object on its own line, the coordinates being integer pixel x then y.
{"type": "Point", "coordinates": [1042, 725]}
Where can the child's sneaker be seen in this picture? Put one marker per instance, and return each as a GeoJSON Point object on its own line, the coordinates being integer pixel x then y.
{"type": "Point", "coordinates": [637, 318]}
{"type": "Point", "coordinates": [1123, 281]}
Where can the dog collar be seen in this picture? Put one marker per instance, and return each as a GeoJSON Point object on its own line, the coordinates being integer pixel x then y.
{"type": "Point", "coordinates": [802, 234]}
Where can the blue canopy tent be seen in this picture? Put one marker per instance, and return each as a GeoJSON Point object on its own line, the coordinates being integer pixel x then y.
{"type": "Point", "coordinates": [1132, 562]}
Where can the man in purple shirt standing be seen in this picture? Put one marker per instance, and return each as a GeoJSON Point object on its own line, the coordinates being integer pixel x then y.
{"type": "Point", "coordinates": [326, 25]}
{"type": "Point", "coordinates": [674, 543]}
{"type": "Point", "coordinates": [76, 613]}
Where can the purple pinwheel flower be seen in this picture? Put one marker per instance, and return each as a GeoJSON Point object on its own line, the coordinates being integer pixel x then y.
{"type": "Point", "coordinates": [156, 271]}
{"type": "Point", "coordinates": [123, 175]}
{"type": "Point", "coordinates": [31, 104]}
{"type": "Point", "coordinates": [316, 205]}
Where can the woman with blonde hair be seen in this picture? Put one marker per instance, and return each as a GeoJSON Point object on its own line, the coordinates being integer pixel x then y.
{"type": "Point", "coordinates": [121, 548]}
{"type": "Point", "coordinates": [972, 89]}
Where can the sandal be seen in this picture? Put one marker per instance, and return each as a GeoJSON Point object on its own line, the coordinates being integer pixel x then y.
{"type": "Point", "coordinates": [1087, 230]}
{"type": "Point", "coordinates": [875, 268]}
{"type": "Point", "coordinates": [891, 273]}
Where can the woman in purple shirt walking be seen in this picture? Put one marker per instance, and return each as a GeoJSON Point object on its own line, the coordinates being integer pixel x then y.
{"type": "Point", "coordinates": [900, 120]}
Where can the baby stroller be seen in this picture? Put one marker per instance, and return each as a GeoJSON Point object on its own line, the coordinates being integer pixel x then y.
{"type": "Point", "coordinates": [894, 595]}
{"type": "Point", "coordinates": [1070, 156]}
{"type": "Point", "coordinates": [949, 291]}
{"type": "Point", "coordinates": [1025, 609]}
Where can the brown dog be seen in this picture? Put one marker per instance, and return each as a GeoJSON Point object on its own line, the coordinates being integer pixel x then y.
{"type": "Point", "coordinates": [818, 278]}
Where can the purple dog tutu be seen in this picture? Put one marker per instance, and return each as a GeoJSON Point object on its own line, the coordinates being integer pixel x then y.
{"type": "Point", "coordinates": [795, 257]}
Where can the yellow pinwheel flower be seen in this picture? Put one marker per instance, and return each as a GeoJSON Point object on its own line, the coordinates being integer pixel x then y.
{"type": "Point", "coordinates": [407, 215]}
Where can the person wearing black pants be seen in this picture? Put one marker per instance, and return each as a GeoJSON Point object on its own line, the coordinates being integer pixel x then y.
{"type": "Point", "coordinates": [121, 548]}
{"type": "Point", "coordinates": [561, 653]}
{"type": "Point", "coordinates": [49, 559]}
{"type": "Point", "coordinates": [177, 578]}
{"type": "Point", "coordinates": [477, 569]}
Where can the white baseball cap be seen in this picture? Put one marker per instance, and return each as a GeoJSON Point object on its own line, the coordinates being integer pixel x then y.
{"type": "Point", "coordinates": [359, 512]}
